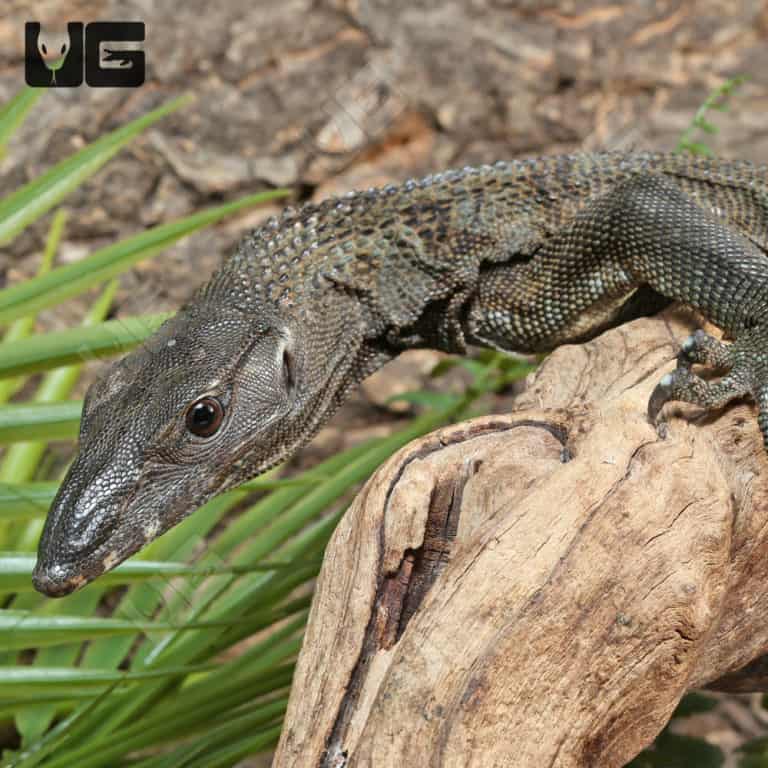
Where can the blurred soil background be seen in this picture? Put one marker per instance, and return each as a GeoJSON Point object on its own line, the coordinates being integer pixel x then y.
{"type": "Point", "coordinates": [323, 96]}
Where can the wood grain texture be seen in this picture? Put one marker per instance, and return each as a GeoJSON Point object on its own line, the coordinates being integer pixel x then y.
{"type": "Point", "coordinates": [541, 588]}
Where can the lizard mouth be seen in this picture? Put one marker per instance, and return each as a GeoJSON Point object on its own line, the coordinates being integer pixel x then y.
{"type": "Point", "coordinates": [64, 565]}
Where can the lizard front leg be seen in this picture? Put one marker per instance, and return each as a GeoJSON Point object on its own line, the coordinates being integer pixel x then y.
{"type": "Point", "coordinates": [701, 258]}
{"type": "Point", "coordinates": [644, 232]}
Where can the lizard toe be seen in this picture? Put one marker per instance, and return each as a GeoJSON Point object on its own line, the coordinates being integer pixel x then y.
{"type": "Point", "coordinates": [687, 387]}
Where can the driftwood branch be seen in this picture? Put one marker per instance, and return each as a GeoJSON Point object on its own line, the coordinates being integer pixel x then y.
{"type": "Point", "coordinates": [541, 588]}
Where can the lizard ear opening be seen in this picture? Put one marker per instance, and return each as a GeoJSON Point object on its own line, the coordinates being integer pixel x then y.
{"type": "Point", "coordinates": [289, 370]}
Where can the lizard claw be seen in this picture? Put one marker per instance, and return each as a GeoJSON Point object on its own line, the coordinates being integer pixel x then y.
{"type": "Point", "coordinates": [661, 394]}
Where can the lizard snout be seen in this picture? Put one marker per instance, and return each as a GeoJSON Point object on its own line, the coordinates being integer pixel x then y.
{"type": "Point", "coordinates": [53, 581]}
{"type": "Point", "coordinates": [78, 540]}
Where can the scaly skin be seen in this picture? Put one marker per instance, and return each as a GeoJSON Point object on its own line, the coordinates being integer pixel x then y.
{"type": "Point", "coordinates": [522, 256]}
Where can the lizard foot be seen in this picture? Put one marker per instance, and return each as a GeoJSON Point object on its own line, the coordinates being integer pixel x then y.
{"type": "Point", "coordinates": [684, 385]}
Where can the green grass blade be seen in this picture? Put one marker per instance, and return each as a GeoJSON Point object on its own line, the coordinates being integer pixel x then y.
{"type": "Point", "coordinates": [24, 326]}
{"type": "Point", "coordinates": [233, 753]}
{"type": "Point", "coordinates": [16, 571]}
{"type": "Point", "coordinates": [22, 460]}
{"type": "Point", "coordinates": [717, 99]}
{"type": "Point", "coordinates": [57, 736]}
{"type": "Point", "coordinates": [171, 724]}
{"type": "Point", "coordinates": [144, 599]}
{"type": "Point", "coordinates": [64, 282]}
{"type": "Point", "coordinates": [39, 421]}
{"type": "Point", "coordinates": [74, 345]}
{"type": "Point", "coordinates": [26, 683]}
{"type": "Point", "coordinates": [25, 500]}
{"type": "Point", "coordinates": [27, 204]}
{"type": "Point", "coordinates": [226, 692]}
{"type": "Point", "coordinates": [245, 720]}
{"type": "Point", "coordinates": [254, 527]}
{"type": "Point", "coordinates": [27, 629]}
{"type": "Point", "coordinates": [229, 741]}
{"type": "Point", "coordinates": [14, 112]}
{"type": "Point", "coordinates": [200, 707]}
{"type": "Point", "coordinates": [115, 714]}
{"type": "Point", "coordinates": [33, 720]}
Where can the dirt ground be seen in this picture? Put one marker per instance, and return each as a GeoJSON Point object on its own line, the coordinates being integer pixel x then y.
{"type": "Point", "coordinates": [327, 95]}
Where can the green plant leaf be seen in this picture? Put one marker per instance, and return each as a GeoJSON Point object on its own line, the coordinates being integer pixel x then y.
{"type": "Point", "coordinates": [25, 500]}
{"type": "Point", "coordinates": [417, 397]}
{"type": "Point", "coordinates": [58, 735]}
{"type": "Point", "coordinates": [16, 570]}
{"type": "Point", "coordinates": [14, 112]}
{"type": "Point", "coordinates": [257, 672]}
{"type": "Point", "coordinates": [27, 204]}
{"type": "Point", "coordinates": [24, 326]}
{"type": "Point", "coordinates": [155, 601]}
{"type": "Point", "coordinates": [233, 738]}
{"type": "Point", "coordinates": [717, 99]}
{"type": "Point", "coordinates": [694, 704]}
{"type": "Point", "coordinates": [27, 629]}
{"type": "Point", "coordinates": [76, 345]}
{"type": "Point", "coordinates": [671, 750]}
{"type": "Point", "coordinates": [39, 421]}
{"type": "Point", "coordinates": [27, 683]}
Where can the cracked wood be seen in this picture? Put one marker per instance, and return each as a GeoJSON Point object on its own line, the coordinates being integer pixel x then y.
{"type": "Point", "coordinates": [577, 601]}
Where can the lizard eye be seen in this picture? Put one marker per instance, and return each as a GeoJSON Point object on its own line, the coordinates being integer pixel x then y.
{"type": "Point", "coordinates": [204, 416]}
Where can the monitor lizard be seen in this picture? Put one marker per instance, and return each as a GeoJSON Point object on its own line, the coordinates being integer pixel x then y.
{"type": "Point", "coordinates": [520, 256]}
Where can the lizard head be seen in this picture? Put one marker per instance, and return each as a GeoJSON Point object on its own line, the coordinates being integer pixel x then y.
{"type": "Point", "coordinates": [218, 395]}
